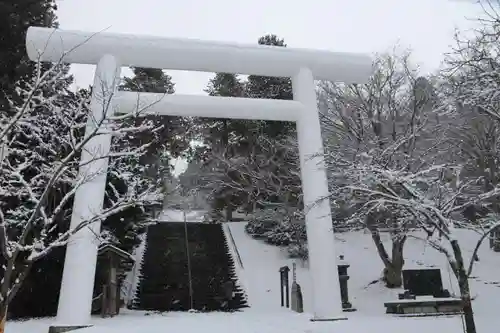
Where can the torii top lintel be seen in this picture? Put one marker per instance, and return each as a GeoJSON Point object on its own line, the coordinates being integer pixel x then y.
{"type": "Point", "coordinates": [47, 44]}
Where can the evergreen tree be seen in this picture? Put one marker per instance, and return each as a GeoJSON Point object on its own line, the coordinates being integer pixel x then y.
{"type": "Point", "coordinates": [171, 140]}
{"type": "Point", "coordinates": [271, 88]}
{"type": "Point", "coordinates": [271, 143]}
{"type": "Point", "coordinates": [223, 136]}
{"type": "Point", "coordinates": [231, 141]}
{"type": "Point", "coordinates": [149, 80]}
{"type": "Point", "coordinates": [219, 130]}
{"type": "Point", "coordinates": [17, 71]}
{"type": "Point", "coordinates": [15, 18]}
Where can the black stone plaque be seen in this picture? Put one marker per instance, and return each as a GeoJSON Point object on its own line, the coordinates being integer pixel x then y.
{"type": "Point", "coordinates": [423, 282]}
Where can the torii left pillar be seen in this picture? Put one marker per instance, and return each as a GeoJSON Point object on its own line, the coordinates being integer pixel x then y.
{"type": "Point", "coordinates": [81, 253]}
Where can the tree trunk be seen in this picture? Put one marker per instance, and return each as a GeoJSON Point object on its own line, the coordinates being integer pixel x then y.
{"type": "Point", "coordinates": [3, 315]}
{"type": "Point", "coordinates": [463, 284]}
{"type": "Point", "coordinates": [393, 273]}
{"type": "Point", "coordinates": [393, 276]}
{"type": "Point", "coordinates": [229, 213]}
{"type": "Point", "coordinates": [470, 325]}
{"type": "Point", "coordinates": [393, 267]}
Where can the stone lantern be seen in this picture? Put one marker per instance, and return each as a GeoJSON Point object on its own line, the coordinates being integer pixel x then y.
{"type": "Point", "coordinates": [342, 266]}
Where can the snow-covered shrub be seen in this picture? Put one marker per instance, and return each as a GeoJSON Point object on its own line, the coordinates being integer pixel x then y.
{"type": "Point", "coordinates": [298, 251]}
{"type": "Point", "coordinates": [259, 228]}
{"type": "Point", "coordinates": [279, 226]}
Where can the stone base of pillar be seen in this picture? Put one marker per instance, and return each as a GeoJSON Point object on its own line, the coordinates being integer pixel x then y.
{"type": "Point", "coordinates": [349, 309]}
{"type": "Point", "coordinates": [62, 329]}
{"type": "Point", "coordinates": [329, 319]}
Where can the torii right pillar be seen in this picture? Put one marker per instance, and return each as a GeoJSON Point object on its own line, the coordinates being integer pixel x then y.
{"type": "Point", "coordinates": [327, 303]}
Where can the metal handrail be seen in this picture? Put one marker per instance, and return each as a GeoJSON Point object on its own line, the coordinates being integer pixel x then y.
{"type": "Point", "coordinates": [238, 257]}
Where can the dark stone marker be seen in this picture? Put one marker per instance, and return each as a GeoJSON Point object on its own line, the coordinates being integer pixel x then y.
{"type": "Point", "coordinates": [284, 286]}
{"type": "Point", "coordinates": [423, 282]}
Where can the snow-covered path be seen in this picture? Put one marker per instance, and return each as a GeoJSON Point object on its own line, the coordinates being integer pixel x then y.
{"type": "Point", "coordinates": [251, 322]}
{"type": "Point", "coordinates": [261, 270]}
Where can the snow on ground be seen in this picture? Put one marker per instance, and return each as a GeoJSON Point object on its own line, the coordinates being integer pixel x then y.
{"type": "Point", "coordinates": [173, 215]}
{"type": "Point", "coordinates": [280, 321]}
{"type": "Point", "coordinates": [260, 278]}
{"type": "Point", "coordinates": [262, 262]}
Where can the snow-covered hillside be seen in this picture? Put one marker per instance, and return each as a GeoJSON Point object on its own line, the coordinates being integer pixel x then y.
{"type": "Point", "coordinates": [258, 274]}
{"type": "Point", "coordinates": [261, 263]}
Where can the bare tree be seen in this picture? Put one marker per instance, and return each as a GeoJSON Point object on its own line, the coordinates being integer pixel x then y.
{"type": "Point", "coordinates": [42, 141]}
{"type": "Point", "coordinates": [394, 122]}
{"type": "Point", "coordinates": [432, 199]}
{"type": "Point", "coordinates": [470, 84]}
{"type": "Point", "coordinates": [473, 69]}
{"type": "Point", "coordinates": [268, 176]}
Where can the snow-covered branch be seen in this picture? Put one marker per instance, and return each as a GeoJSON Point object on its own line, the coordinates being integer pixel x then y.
{"type": "Point", "coordinates": [43, 137]}
{"type": "Point", "coordinates": [268, 174]}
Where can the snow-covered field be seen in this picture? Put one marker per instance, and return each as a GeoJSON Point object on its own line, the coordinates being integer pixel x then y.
{"type": "Point", "coordinates": [259, 276]}
{"type": "Point", "coordinates": [279, 321]}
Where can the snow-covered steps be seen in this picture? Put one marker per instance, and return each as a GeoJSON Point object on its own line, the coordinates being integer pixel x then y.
{"type": "Point", "coordinates": [167, 264]}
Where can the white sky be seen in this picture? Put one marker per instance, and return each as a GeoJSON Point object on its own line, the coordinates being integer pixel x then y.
{"type": "Point", "coordinates": [369, 26]}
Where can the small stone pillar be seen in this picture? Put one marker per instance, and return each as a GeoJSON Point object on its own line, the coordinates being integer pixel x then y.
{"type": "Point", "coordinates": [344, 290]}
{"type": "Point", "coordinates": [296, 293]}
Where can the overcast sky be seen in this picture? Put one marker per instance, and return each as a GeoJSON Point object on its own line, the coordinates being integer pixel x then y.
{"type": "Point", "coordinates": [366, 26]}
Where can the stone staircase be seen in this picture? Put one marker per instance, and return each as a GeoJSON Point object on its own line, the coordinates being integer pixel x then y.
{"type": "Point", "coordinates": [164, 279]}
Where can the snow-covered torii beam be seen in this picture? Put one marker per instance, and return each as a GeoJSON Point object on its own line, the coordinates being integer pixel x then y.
{"type": "Point", "coordinates": [195, 55]}
{"type": "Point", "coordinates": [208, 106]}
{"type": "Point", "coordinates": [110, 51]}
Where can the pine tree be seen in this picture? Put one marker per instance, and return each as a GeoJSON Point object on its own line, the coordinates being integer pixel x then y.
{"type": "Point", "coordinates": [15, 18]}
{"type": "Point", "coordinates": [222, 139]}
{"type": "Point", "coordinates": [171, 140]}
{"type": "Point", "coordinates": [17, 71]}
{"type": "Point", "coordinates": [219, 130]}
{"type": "Point", "coordinates": [149, 80]}
{"type": "Point", "coordinates": [233, 140]}
{"type": "Point", "coordinates": [271, 88]}
{"type": "Point", "coordinates": [269, 139]}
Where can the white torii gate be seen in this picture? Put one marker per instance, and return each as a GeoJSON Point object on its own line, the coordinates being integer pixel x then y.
{"type": "Point", "coordinates": [110, 51]}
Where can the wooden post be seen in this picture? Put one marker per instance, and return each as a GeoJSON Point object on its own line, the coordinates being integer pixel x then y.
{"type": "Point", "coordinates": [118, 302]}
{"type": "Point", "coordinates": [112, 286]}
{"type": "Point", "coordinates": [104, 307]}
